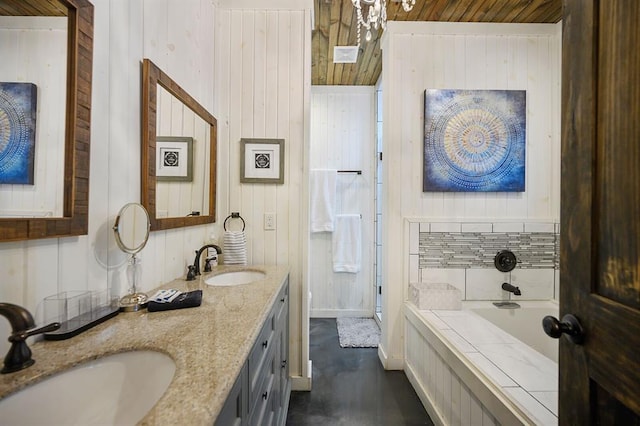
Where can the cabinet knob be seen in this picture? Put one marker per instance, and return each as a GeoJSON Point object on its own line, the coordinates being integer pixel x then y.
{"type": "Point", "coordinates": [265, 344]}
{"type": "Point", "coordinates": [282, 300]}
{"type": "Point", "coordinates": [284, 363]}
{"type": "Point", "coordinates": [265, 395]}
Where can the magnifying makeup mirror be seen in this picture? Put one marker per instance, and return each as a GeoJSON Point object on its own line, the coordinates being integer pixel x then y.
{"type": "Point", "coordinates": [132, 232]}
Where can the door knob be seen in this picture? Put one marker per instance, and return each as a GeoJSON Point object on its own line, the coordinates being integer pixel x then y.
{"type": "Point", "coordinates": [569, 326]}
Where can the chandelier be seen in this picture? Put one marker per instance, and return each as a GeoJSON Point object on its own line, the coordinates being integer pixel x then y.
{"type": "Point", "coordinates": [376, 14]}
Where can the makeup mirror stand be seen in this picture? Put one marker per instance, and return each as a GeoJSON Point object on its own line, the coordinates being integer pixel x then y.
{"type": "Point", "coordinates": [132, 232]}
{"type": "Point", "coordinates": [135, 300]}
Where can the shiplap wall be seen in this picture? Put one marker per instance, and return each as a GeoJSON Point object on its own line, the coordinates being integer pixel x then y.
{"type": "Point", "coordinates": [263, 82]}
{"type": "Point", "coordinates": [33, 50]}
{"type": "Point", "coordinates": [343, 138]}
{"type": "Point", "coordinates": [421, 55]}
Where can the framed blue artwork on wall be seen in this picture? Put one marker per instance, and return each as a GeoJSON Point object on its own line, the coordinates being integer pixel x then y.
{"type": "Point", "coordinates": [17, 132]}
{"type": "Point", "coordinates": [474, 140]}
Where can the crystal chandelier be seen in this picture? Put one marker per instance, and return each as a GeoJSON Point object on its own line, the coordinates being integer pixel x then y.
{"type": "Point", "coordinates": [376, 14]}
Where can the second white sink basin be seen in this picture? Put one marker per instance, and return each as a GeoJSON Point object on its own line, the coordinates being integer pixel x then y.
{"type": "Point", "coordinates": [113, 390]}
{"type": "Point", "coordinates": [235, 278]}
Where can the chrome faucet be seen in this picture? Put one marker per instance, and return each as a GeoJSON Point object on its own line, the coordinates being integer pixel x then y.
{"type": "Point", "coordinates": [511, 289]}
{"type": "Point", "coordinates": [194, 270]}
{"type": "Point", "coordinates": [19, 355]}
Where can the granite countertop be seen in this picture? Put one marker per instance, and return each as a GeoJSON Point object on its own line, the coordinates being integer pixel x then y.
{"type": "Point", "coordinates": [209, 345]}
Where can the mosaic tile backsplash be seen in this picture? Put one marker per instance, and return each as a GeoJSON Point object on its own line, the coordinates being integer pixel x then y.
{"type": "Point", "coordinates": [477, 249]}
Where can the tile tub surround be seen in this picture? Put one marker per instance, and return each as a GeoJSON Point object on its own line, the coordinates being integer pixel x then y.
{"type": "Point", "coordinates": [489, 361]}
{"type": "Point", "coordinates": [462, 254]}
{"type": "Point", "coordinates": [209, 345]}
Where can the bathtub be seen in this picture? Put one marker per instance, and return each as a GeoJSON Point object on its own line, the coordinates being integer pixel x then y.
{"type": "Point", "coordinates": [483, 365]}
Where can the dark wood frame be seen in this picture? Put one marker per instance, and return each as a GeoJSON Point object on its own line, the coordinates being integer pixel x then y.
{"type": "Point", "coordinates": [75, 220]}
{"type": "Point", "coordinates": [152, 76]}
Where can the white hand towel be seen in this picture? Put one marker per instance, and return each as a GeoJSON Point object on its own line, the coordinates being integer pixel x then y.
{"type": "Point", "coordinates": [323, 199]}
{"type": "Point", "coordinates": [235, 248]}
{"type": "Point", "coordinates": [347, 241]}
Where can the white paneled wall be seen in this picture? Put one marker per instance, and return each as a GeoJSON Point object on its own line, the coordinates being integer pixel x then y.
{"type": "Point", "coordinates": [263, 82]}
{"type": "Point", "coordinates": [343, 138]}
{"type": "Point", "coordinates": [443, 393]}
{"type": "Point", "coordinates": [422, 55]}
{"type": "Point", "coordinates": [33, 50]}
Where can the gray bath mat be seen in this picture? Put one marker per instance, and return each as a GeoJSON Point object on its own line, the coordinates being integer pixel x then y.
{"type": "Point", "coordinates": [358, 332]}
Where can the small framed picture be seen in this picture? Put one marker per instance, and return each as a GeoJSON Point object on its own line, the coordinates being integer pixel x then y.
{"type": "Point", "coordinates": [174, 158]}
{"type": "Point", "coordinates": [262, 160]}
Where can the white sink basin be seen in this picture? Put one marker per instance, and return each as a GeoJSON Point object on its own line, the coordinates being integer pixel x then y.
{"type": "Point", "coordinates": [235, 278]}
{"type": "Point", "coordinates": [113, 390]}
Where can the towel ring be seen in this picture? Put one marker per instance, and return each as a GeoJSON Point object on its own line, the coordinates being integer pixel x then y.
{"type": "Point", "coordinates": [234, 215]}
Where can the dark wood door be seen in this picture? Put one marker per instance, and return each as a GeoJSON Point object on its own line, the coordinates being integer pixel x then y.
{"type": "Point", "coordinates": [600, 211]}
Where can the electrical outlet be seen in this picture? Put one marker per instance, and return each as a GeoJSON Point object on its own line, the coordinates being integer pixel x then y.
{"type": "Point", "coordinates": [269, 221]}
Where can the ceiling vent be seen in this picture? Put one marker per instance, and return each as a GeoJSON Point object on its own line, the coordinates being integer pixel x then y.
{"type": "Point", "coordinates": [345, 54]}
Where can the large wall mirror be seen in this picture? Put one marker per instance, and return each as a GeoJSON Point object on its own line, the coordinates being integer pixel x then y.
{"type": "Point", "coordinates": [47, 48]}
{"type": "Point", "coordinates": [178, 154]}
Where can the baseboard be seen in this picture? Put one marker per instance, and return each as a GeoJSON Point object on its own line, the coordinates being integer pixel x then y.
{"type": "Point", "coordinates": [336, 313]}
{"type": "Point", "coordinates": [389, 363]}
{"type": "Point", "coordinates": [299, 383]}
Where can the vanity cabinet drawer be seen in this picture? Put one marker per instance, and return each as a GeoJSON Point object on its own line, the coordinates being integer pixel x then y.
{"type": "Point", "coordinates": [236, 408]}
{"type": "Point", "coordinates": [261, 348]}
{"type": "Point", "coordinates": [263, 402]}
{"type": "Point", "coordinates": [282, 303]}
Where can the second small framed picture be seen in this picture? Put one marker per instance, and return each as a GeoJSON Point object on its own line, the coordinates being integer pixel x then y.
{"type": "Point", "coordinates": [262, 160]}
{"type": "Point", "coordinates": [174, 158]}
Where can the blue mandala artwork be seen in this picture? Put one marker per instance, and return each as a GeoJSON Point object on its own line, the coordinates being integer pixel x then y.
{"type": "Point", "coordinates": [17, 132]}
{"type": "Point", "coordinates": [474, 140]}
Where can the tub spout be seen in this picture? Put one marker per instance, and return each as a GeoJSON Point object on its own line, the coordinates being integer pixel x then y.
{"type": "Point", "coordinates": [511, 289]}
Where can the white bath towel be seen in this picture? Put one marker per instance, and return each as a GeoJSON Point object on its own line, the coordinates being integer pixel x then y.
{"type": "Point", "coordinates": [323, 199]}
{"type": "Point", "coordinates": [347, 241]}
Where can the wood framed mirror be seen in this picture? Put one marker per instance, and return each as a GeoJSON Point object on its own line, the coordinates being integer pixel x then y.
{"type": "Point", "coordinates": [70, 216]}
{"type": "Point", "coordinates": [176, 131]}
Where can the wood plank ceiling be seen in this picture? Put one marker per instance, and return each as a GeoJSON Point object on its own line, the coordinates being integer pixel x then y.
{"type": "Point", "coordinates": [335, 25]}
{"type": "Point", "coordinates": [32, 8]}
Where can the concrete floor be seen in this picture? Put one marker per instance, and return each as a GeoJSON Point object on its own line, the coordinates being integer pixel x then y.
{"type": "Point", "coordinates": [350, 387]}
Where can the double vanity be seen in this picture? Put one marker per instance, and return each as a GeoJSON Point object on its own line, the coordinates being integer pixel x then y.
{"type": "Point", "coordinates": [222, 362]}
